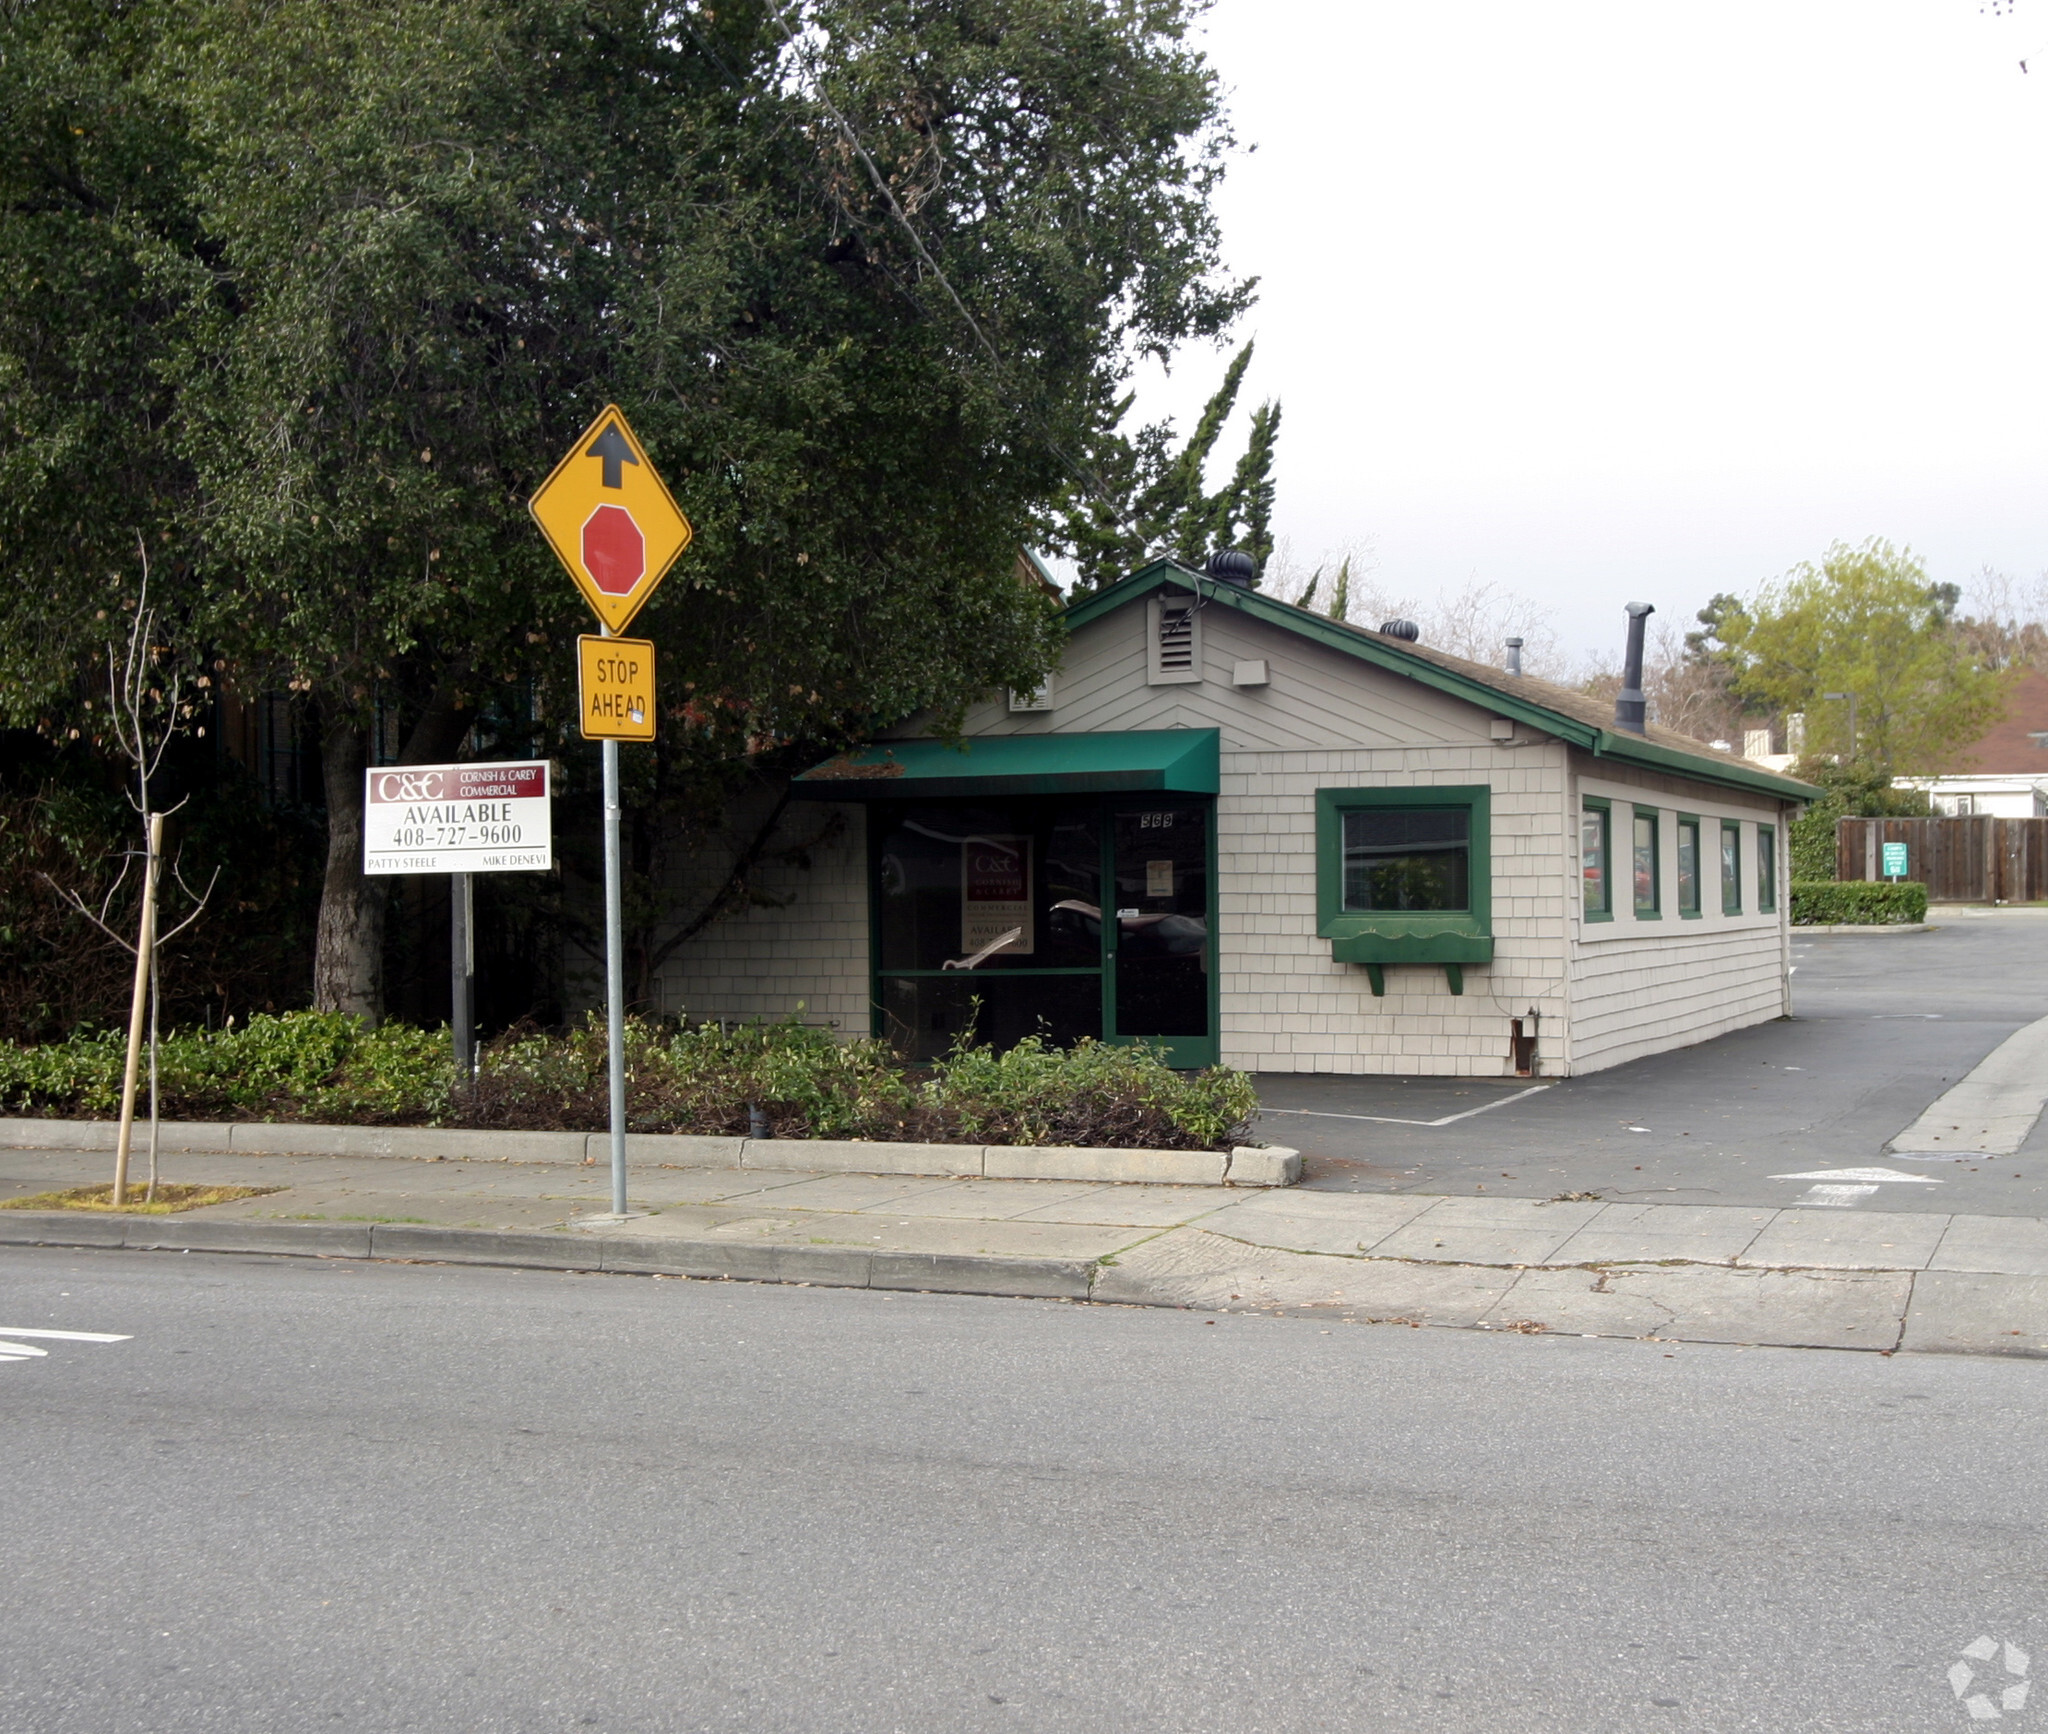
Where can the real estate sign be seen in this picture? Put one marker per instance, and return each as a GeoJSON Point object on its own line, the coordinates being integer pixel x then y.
{"type": "Point", "coordinates": [995, 896]}
{"type": "Point", "coordinates": [477, 818]}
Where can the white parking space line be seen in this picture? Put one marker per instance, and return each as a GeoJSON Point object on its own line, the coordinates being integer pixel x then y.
{"type": "Point", "coordinates": [1391, 1120]}
{"type": "Point", "coordinates": [1990, 1111]}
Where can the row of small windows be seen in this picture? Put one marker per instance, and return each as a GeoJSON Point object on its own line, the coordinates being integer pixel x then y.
{"type": "Point", "coordinates": [1691, 840]}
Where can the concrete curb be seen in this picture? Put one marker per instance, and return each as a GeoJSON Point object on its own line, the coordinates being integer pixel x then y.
{"type": "Point", "coordinates": [1867, 927]}
{"type": "Point", "coordinates": [619, 1254]}
{"type": "Point", "coordinates": [1887, 1311]}
{"type": "Point", "coordinates": [1246, 1165]}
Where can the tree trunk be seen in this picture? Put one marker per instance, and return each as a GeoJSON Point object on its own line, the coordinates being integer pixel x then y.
{"type": "Point", "coordinates": [348, 952]}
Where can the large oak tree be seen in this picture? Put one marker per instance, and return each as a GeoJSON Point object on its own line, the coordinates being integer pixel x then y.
{"type": "Point", "coordinates": [310, 297]}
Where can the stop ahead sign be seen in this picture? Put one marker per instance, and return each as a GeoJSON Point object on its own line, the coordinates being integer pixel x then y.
{"type": "Point", "coordinates": [610, 520]}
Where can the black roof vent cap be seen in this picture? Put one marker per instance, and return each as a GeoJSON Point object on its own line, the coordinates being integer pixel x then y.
{"type": "Point", "coordinates": [1233, 566]}
{"type": "Point", "coordinates": [1406, 630]}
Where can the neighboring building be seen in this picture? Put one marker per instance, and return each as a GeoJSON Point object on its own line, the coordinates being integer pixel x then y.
{"type": "Point", "coordinates": [1274, 840]}
{"type": "Point", "coordinates": [2003, 773]}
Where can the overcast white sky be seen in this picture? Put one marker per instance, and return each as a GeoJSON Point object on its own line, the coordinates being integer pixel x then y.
{"type": "Point", "coordinates": [1598, 300]}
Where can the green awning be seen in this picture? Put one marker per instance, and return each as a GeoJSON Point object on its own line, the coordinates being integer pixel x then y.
{"type": "Point", "coordinates": [1130, 761]}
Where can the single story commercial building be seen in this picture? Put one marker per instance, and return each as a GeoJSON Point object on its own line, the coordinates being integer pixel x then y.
{"type": "Point", "coordinates": [1275, 840]}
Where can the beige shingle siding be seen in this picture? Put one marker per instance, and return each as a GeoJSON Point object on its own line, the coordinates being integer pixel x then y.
{"type": "Point", "coordinates": [808, 959]}
{"type": "Point", "coordinates": [1288, 1006]}
{"type": "Point", "coordinates": [1641, 987]}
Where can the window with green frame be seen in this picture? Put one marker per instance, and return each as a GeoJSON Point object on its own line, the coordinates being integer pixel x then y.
{"type": "Point", "coordinates": [1688, 865]}
{"type": "Point", "coordinates": [1767, 869]}
{"type": "Point", "coordinates": [1596, 860]}
{"type": "Point", "coordinates": [1731, 867]}
{"type": "Point", "coordinates": [1645, 865]}
{"type": "Point", "coordinates": [1405, 875]}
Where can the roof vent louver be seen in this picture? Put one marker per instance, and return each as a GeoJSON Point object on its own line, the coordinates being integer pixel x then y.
{"type": "Point", "coordinates": [1176, 637]}
{"type": "Point", "coordinates": [1405, 630]}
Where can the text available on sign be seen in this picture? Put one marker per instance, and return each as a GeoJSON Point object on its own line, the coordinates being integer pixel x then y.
{"type": "Point", "coordinates": [1895, 860]}
{"type": "Point", "coordinates": [615, 688]}
{"type": "Point", "coordinates": [478, 818]}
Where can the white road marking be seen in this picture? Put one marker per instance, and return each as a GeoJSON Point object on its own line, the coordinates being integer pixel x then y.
{"type": "Point", "coordinates": [1390, 1120]}
{"type": "Point", "coordinates": [63, 1336]}
{"type": "Point", "coordinates": [1874, 1176]}
{"type": "Point", "coordinates": [1835, 1197]}
{"type": "Point", "coordinates": [1846, 1188]}
{"type": "Point", "coordinates": [19, 1351]}
{"type": "Point", "coordinates": [1990, 1110]}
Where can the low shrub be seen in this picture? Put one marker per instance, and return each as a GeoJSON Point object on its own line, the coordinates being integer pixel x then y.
{"type": "Point", "coordinates": [1857, 902]}
{"type": "Point", "coordinates": [787, 1079]}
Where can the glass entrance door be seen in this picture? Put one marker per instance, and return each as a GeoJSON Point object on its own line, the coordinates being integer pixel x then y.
{"type": "Point", "coordinates": [1161, 970]}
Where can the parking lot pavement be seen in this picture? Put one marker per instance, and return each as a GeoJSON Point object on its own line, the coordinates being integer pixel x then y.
{"type": "Point", "coordinates": [1883, 1024]}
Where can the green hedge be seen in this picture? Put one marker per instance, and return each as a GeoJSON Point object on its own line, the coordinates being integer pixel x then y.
{"type": "Point", "coordinates": [797, 1081]}
{"type": "Point", "coordinates": [1856, 903]}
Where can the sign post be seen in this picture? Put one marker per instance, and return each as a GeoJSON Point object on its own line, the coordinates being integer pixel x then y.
{"type": "Point", "coordinates": [617, 530]}
{"type": "Point", "coordinates": [462, 974]}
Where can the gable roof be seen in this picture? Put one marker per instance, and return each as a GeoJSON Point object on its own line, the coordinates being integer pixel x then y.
{"type": "Point", "coordinates": [1585, 722]}
{"type": "Point", "coordinates": [2017, 744]}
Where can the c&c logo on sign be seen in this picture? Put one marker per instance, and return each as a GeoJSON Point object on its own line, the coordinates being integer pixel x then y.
{"type": "Point", "coordinates": [409, 786]}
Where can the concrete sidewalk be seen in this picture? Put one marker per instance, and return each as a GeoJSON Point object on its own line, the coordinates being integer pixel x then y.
{"type": "Point", "coordinates": [1884, 1281]}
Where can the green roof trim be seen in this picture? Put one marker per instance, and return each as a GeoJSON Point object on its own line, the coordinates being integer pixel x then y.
{"type": "Point", "coordinates": [1187, 761]}
{"type": "Point", "coordinates": [1390, 654]}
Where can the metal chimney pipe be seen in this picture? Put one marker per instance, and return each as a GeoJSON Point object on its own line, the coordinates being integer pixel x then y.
{"type": "Point", "coordinates": [1514, 656]}
{"type": "Point", "coordinates": [1631, 709]}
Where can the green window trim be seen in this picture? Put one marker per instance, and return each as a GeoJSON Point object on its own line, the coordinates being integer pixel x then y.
{"type": "Point", "coordinates": [1731, 882]}
{"type": "Point", "coordinates": [1767, 869]}
{"type": "Point", "coordinates": [1653, 908]}
{"type": "Point", "coordinates": [1444, 938]}
{"type": "Point", "coordinates": [1689, 911]}
{"type": "Point", "coordinates": [1604, 909]}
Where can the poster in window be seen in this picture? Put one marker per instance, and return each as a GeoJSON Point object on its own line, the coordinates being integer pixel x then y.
{"type": "Point", "coordinates": [995, 894]}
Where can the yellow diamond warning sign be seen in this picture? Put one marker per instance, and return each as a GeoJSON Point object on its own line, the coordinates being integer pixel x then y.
{"type": "Point", "coordinates": [611, 522]}
{"type": "Point", "coordinates": [615, 677]}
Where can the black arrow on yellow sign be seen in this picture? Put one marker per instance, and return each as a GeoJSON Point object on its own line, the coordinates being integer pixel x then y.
{"type": "Point", "coordinates": [612, 448]}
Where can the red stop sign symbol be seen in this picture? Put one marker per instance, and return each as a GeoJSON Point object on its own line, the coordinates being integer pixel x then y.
{"type": "Point", "coordinates": [614, 551]}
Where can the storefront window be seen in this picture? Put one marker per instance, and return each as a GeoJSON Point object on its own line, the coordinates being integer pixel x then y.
{"type": "Point", "coordinates": [1688, 866]}
{"type": "Point", "coordinates": [990, 918]}
{"type": "Point", "coordinates": [975, 888]}
{"type": "Point", "coordinates": [1407, 858]}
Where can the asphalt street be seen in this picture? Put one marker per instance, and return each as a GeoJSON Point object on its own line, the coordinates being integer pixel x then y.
{"type": "Point", "coordinates": [1882, 1025]}
{"type": "Point", "coordinates": [359, 1496]}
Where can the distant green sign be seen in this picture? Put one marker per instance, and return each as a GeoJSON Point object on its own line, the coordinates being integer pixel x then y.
{"type": "Point", "coordinates": [1895, 860]}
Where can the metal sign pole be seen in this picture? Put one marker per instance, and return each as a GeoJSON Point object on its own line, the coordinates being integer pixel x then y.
{"type": "Point", "coordinates": [615, 974]}
{"type": "Point", "coordinates": [462, 974]}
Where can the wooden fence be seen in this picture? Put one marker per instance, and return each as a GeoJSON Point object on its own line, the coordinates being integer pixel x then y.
{"type": "Point", "coordinates": [1975, 859]}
